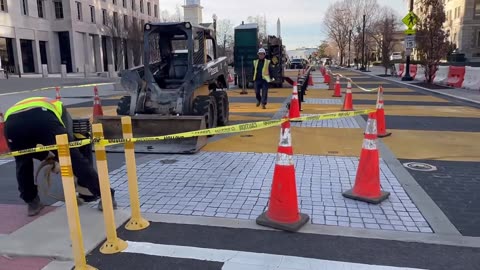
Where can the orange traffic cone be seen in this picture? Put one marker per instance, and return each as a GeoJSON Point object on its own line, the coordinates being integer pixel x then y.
{"type": "Point", "coordinates": [382, 130]}
{"type": "Point", "coordinates": [310, 80]}
{"type": "Point", "coordinates": [367, 181]}
{"type": "Point", "coordinates": [348, 101]}
{"type": "Point", "coordinates": [283, 212]}
{"type": "Point", "coordinates": [3, 141]}
{"type": "Point", "coordinates": [57, 93]}
{"type": "Point", "coordinates": [338, 88]}
{"type": "Point", "coordinates": [294, 111]}
{"type": "Point", "coordinates": [97, 106]}
{"type": "Point", "coordinates": [326, 77]}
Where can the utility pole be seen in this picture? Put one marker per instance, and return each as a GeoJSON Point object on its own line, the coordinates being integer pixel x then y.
{"type": "Point", "coordinates": [407, 76]}
{"type": "Point", "coordinates": [363, 45]}
{"type": "Point", "coordinates": [349, 42]}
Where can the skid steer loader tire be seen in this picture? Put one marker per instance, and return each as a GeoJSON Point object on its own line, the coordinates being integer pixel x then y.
{"type": "Point", "coordinates": [206, 105]}
{"type": "Point", "coordinates": [123, 107]}
{"type": "Point", "coordinates": [223, 107]}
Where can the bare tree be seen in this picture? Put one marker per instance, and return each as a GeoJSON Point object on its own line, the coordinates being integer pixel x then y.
{"type": "Point", "coordinates": [118, 34]}
{"type": "Point", "coordinates": [383, 32]}
{"type": "Point", "coordinates": [337, 23]}
{"type": "Point", "coordinates": [261, 21]}
{"type": "Point", "coordinates": [165, 15]}
{"type": "Point", "coordinates": [135, 38]}
{"type": "Point", "coordinates": [432, 40]}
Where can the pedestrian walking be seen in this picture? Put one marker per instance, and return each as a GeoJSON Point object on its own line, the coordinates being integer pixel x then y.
{"type": "Point", "coordinates": [261, 77]}
{"type": "Point", "coordinates": [38, 120]}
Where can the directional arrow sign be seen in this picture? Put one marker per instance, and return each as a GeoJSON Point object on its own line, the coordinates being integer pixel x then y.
{"type": "Point", "coordinates": [410, 20]}
{"type": "Point", "coordinates": [410, 32]}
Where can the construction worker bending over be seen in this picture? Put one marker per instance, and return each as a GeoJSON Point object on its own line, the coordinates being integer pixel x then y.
{"type": "Point", "coordinates": [38, 120]}
{"type": "Point", "coordinates": [261, 77]}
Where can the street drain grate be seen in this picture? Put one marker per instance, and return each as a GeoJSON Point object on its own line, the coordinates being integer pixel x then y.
{"type": "Point", "coordinates": [417, 166]}
{"type": "Point", "coordinates": [168, 161]}
{"type": "Point", "coordinates": [246, 136]}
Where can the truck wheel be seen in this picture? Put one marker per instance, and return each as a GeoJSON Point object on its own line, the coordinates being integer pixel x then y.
{"type": "Point", "coordinates": [206, 106]}
{"type": "Point", "coordinates": [221, 98]}
{"type": "Point", "coordinates": [123, 107]}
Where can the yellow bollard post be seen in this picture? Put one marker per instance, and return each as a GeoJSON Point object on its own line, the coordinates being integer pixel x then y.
{"type": "Point", "coordinates": [136, 223]}
{"type": "Point", "coordinates": [71, 204]}
{"type": "Point", "coordinates": [113, 243]}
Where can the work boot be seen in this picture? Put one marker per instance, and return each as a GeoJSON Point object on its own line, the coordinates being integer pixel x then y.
{"type": "Point", "coordinates": [35, 206]}
{"type": "Point", "coordinates": [264, 106]}
{"type": "Point", "coordinates": [114, 202]}
{"type": "Point", "coordinates": [258, 103]}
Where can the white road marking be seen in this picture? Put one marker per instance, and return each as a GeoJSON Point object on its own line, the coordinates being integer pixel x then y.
{"type": "Point", "coordinates": [5, 161]}
{"type": "Point", "coordinates": [236, 260]}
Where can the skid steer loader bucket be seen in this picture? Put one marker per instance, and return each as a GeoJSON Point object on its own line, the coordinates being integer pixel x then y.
{"type": "Point", "coordinates": [154, 125]}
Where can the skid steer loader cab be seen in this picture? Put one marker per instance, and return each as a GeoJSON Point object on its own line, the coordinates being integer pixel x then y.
{"type": "Point", "coordinates": [181, 87]}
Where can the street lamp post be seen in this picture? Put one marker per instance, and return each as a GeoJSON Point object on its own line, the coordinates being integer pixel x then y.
{"type": "Point", "coordinates": [407, 76]}
{"type": "Point", "coordinates": [349, 42]}
{"type": "Point", "coordinates": [363, 45]}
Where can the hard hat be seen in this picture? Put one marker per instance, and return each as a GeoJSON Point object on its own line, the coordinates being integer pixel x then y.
{"type": "Point", "coordinates": [262, 50]}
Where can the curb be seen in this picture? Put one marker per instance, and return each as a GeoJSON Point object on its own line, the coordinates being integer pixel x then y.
{"type": "Point", "coordinates": [419, 87]}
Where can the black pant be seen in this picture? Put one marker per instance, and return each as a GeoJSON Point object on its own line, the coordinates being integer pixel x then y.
{"type": "Point", "coordinates": [261, 85]}
{"type": "Point", "coordinates": [39, 126]}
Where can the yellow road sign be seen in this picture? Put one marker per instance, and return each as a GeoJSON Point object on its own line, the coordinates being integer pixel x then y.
{"type": "Point", "coordinates": [410, 32]}
{"type": "Point", "coordinates": [410, 20]}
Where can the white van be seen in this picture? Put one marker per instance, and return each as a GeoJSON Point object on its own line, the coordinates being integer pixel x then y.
{"type": "Point", "coordinates": [396, 56]}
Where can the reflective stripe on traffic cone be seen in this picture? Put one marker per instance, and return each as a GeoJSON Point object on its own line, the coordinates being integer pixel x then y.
{"type": "Point", "coordinates": [382, 130]}
{"type": "Point", "coordinates": [294, 111]}
{"type": "Point", "coordinates": [338, 88]}
{"type": "Point", "coordinates": [283, 212]}
{"type": "Point", "coordinates": [97, 106]}
{"type": "Point", "coordinates": [367, 181]}
{"type": "Point", "coordinates": [348, 101]}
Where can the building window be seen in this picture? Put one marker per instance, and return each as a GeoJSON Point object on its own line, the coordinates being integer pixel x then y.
{"type": "Point", "coordinates": [141, 6]}
{"type": "Point", "coordinates": [114, 2]}
{"type": "Point", "coordinates": [58, 5]}
{"type": "Point", "coordinates": [149, 9]}
{"type": "Point", "coordinates": [478, 39]}
{"type": "Point", "coordinates": [155, 11]}
{"type": "Point", "coordinates": [92, 14]}
{"type": "Point", "coordinates": [3, 5]}
{"type": "Point", "coordinates": [133, 4]}
{"type": "Point", "coordinates": [115, 19]}
{"type": "Point", "coordinates": [142, 23]}
{"type": "Point", "coordinates": [125, 21]}
{"type": "Point", "coordinates": [79, 11]}
{"type": "Point", "coordinates": [40, 9]}
{"type": "Point", "coordinates": [134, 21]}
{"type": "Point", "coordinates": [477, 8]}
{"type": "Point", "coordinates": [104, 16]}
{"type": "Point", "coordinates": [24, 7]}
{"type": "Point", "coordinates": [124, 3]}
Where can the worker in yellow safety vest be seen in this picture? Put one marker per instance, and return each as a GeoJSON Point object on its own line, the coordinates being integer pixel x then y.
{"type": "Point", "coordinates": [261, 77]}
{"type": "Point", "coordinates": [38, 120]}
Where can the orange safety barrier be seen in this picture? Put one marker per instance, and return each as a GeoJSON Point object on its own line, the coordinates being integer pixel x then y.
{"type": "Point", "coordinates": [413, 71]}
{"type": "Point", "coordinates": [401, 69]}
{"type": "Point", "coordinates": [456, 75]}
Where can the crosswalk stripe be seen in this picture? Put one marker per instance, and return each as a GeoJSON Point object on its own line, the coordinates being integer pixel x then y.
{"type": "Point", "coordinates": [236, 260]}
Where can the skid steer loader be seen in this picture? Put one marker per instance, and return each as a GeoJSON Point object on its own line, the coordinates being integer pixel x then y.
{"type": "Point", "coordinates": [180, 87]}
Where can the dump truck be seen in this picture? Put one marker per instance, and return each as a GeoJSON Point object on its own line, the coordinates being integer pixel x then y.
{"type": "Point", "coordinates": [246, 45]}
{"type": "Point", "coordinates": [180, 87]}
{"type": "Point", "coordinates": [276, 54]}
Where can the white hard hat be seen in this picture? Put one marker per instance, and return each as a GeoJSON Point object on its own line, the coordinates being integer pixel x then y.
{"type": "Point", "coordinates": [262, 50]}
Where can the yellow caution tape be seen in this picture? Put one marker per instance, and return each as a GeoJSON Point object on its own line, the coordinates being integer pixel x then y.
{"type": "Point", "coordinates": [53, 87]}
{"type": "Point", "coordinates": [352, 82]}
{"type": "Point", "coordinates": [234, 129]}
{"type": "Point", "coordinates": [204, 132]}
{"type": "Point", "coordinates": [75, 144]}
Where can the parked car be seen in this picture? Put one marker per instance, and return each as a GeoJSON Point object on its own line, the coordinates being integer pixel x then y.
{"type": "Point", "coordinates": [298, 63]}
{"type": "Point", "coordinates": [396, 56]}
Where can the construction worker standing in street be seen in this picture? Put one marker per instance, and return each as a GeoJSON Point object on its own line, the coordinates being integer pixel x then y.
{"type": "Point", "coordinates": [38, 120]}
{"type": "Point", "coordinates": [261, 77]}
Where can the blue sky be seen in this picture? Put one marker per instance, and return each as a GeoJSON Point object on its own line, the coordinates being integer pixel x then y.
{"type": "Point", "coordinates": [301, 19]}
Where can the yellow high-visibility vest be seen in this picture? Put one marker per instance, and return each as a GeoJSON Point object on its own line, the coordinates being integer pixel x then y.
{"type": "Point", "coordinates": [265, 71]}
{"type": "Point", "coordinates": [54, 106]}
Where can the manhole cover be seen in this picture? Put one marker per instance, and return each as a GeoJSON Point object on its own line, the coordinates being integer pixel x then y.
{"type": "Point", "coordinates": [246, 136]}
{"type": "Point", "coordinates": [168, 161]}
{"type": "Point", "coordinates": [417, 166]}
